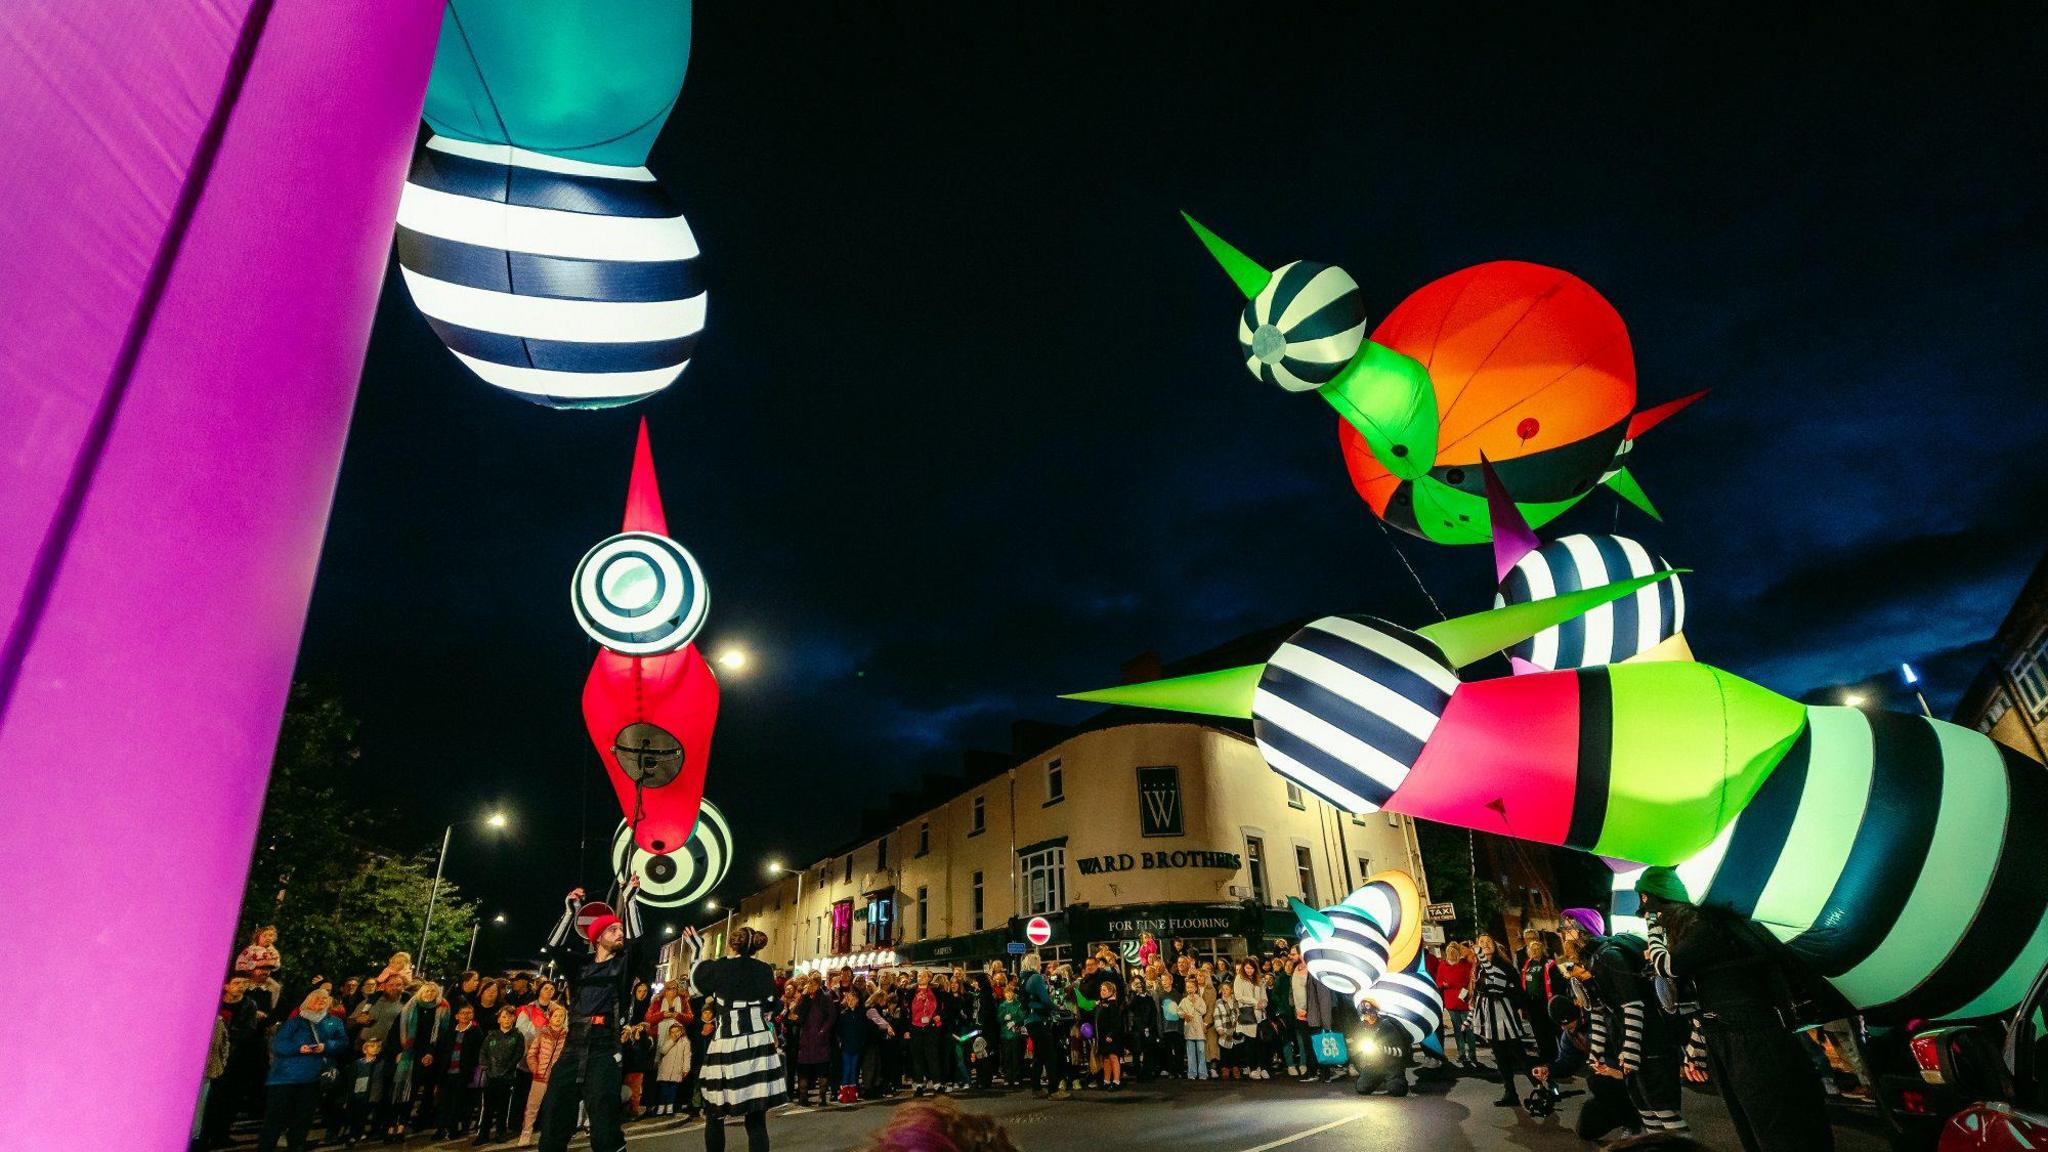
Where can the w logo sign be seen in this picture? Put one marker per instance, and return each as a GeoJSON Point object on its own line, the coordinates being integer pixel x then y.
{"type": "Point", "coordinates": [1159, 801]}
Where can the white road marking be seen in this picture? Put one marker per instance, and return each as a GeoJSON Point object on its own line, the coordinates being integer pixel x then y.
{"type": "Point", "coordinates": [1305, 1134]}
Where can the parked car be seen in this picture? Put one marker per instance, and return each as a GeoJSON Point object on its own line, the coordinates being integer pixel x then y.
{"type": "Point", "coordinates": [1984, 1092]}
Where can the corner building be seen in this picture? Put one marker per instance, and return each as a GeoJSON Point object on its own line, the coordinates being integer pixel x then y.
{"type": "Point", "coordinates": [1176, 828]}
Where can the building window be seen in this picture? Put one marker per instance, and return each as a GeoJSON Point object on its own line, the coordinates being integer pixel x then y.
{"type": "Point", "coordinates": [1305, 874]}
{"type": "Point", "coordinates": [980, 824]}
{"type": "Point", "coordinates": [1364, 868]}
{"type": "Point", "coordinates": [842, 927]}
{"type": "Point", "coordinates": [818, 937]}
{"type": "Point", "coordinates": [923, 914]}
{"type": "Point", "coordinates": [882, 854]}
{"type": "Point", "coordinates": [1294, 797]}
{"type": "Point", "coordinates": [924, 838]}
{"type": "Point", "coordinates": [2030, 675]}
{"type": "Point", "coordinates": [849, 868]}
{"type": "Point", "coordinates": [1055, 783]}
{"type": "Point", "coordinates": [1045, 880]}
{"type": "Point", "coordinates": [977, 901]}
{"type": "Point", "coordinates": [1255, 863]}
{"type": "Point", "coordinates": [878, 919]}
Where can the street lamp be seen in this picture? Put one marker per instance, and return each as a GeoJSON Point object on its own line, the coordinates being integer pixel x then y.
{"type": "Point", "coordinates": [498, 919]}
{"type": "Point", "coordinates": [711, 905]}
{"type": "Point", "coordinates": [494, 819]}
{"type": "Point", "coordinates": [1853, 699]}
{"type": "Point", "coordinates": [733, 659]}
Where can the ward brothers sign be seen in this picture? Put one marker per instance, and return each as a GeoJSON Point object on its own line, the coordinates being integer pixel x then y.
{"type": "Point", "coordinates": [1126, 861]}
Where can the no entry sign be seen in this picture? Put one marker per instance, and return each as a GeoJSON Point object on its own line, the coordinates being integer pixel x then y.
{"type": "Point", "coordinates": [1038, 930]}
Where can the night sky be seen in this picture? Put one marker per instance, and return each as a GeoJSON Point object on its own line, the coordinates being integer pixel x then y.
{"type": "Point", "coordinates": [968, 427]}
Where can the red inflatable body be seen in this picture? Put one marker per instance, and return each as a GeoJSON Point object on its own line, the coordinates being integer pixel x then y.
{"type": "Point", "coordinates": [650, 717]}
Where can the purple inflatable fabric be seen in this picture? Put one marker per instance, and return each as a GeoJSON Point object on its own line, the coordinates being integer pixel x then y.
{"type": "Point", "coordinates": [198, 205]}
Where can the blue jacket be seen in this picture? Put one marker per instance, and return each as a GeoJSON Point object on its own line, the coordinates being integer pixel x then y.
{"type": "Point", "coordinates": [290, 1066]}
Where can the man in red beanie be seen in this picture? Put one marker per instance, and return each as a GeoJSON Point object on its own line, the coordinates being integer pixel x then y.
{"type": "Point", "coordinates": [589, 1069]}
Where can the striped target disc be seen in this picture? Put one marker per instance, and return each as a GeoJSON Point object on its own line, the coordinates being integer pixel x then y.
{"type": "Point", "coordinates": [640, 594]}
{"type": "Point", "coordinates": [673, 879]}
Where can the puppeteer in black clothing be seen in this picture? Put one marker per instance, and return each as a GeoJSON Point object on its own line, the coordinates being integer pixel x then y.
{"type": "Point", "coordinates": [589, 1070]}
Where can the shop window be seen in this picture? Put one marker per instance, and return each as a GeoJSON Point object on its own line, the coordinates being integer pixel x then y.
{"type": "Point", "coordinates": [924, 923]}
{"type": "Point", "coordinates": [1045, 880]}
{"type": "Point", "coordinates": [1055, 783]}
{"type": "Point", "coordinates": [1294, 797]}
{"type": "Point", "coordinates": [877, 920]}
{"type": "Point", "coordinates": [980, 822]}
{"type": "Point", "coordinates": [842, 927]}
{"type": "Point", "coordinates": [924, 838]}
{"type": "Point", "coordinates": [1305, 874]}
{"type": "Point", "coordinates": [977, 902]}
{"type": "Point", "coordinates": [1255, 864]}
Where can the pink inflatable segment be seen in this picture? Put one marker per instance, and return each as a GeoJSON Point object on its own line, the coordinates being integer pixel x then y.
{"type": "Point", "coordinates": [197, 216]}
{"type": "Point", "coordinates": [1526, 729]}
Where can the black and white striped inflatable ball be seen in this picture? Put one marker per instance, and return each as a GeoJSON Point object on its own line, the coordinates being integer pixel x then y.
{"type": "Point", "coordinates": [1303, 327]}
{"type": "Point", "coordinates": [640, 594]}
{"type": "Point", "coordinates": [674, 879]}
{"type": "Point", "coordinates": [1611, 633]}
{"type": "Point", "coordinates": [566, 283]}
{"type": "Point", "coordinates": [1345, 706]}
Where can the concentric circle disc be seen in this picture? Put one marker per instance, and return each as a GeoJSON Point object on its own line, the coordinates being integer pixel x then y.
{"type": "Point", "coordinates": [640, 594]}
{"type": "Point", "coordinates": [671, 880]}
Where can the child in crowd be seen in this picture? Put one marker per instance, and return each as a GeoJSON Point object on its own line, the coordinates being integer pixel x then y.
{"type": "Point", "coordinates": [504, 1052]}
{"type": "Point", "coordinates": [1011, 1016]}
{"type": "Point", "coordinates": [637, 1057]}
{"type": "Point", "coordinates": [1111, 1034]}
{"type": "Point", "coordinates": [673, 1067]}
{"type": "Point", "coordinates": [852, 1028]}
{"type": "Point", "coordinates": [1194, 1016]}
{"type": "Point", "coordinates": [458, 1075]}
{"type": "Point", "coordinates": [540, 1060]}
{"type": "Point", "coordinates": [369, 1084]}
{"type": "Point", "coordinates": [1223, 1021]}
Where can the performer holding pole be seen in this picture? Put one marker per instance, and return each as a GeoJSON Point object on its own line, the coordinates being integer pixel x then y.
{"type": "Point", "coordinates": [588, 1071]}
{"type": "Point", "coordinates": [742, 1073]}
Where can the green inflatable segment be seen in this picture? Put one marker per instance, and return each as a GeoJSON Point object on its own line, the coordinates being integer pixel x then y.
{"type": "Point", "coordinates": [1625, 486]}
{"type": "Point", "coordinates": [1227, 693]}
{"type": "Point", "coordinates": [1447, 515]}
{"type": "Point", "coordinates": [570, 78]}
{"type": "Point", "coordinates": [1244, 271]}
{"type": "Point", "coordinates": [1689, 745]}
{"type": "Point", "coordinates": [1313, 919]}
{"type": "Point", "coordinates": [1389, 397]}
{"type": "Point", "coordinates": [1464, 639]}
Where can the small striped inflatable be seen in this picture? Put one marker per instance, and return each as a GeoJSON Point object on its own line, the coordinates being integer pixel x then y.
{"type": "Point", "coordinates": [1369, 948]}
{"type": "Point", "coordinates": [1345, 705]}
{"type": "Point", "coordinates": [1610, 633]}
{"type": "Point", "coordinates": [566, 283]}
{"type": "Point", "coordinates": [640, 594]}
{"type": "Point", "coordinates": [671, 880]}
{"type": "Point", "coordinates": [1901, 856]}
{"type": "Point", "coordinates": [1302, 328]}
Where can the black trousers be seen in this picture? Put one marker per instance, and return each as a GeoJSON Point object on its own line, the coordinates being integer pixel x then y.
{"type": "Point", "coordinates": [757, 1132]}
{"type": "Point", "coordinates": [1607, 1107]}
{"type": "Point", "coordinates": [1773, 1094]}
{"type": "Point", "coordinates": [1510, 1059]}
{"type": "Point", "coordinates": [1048, 1057]}
{"type": "Point", "coordinates": [497, 1116]}
{"type": "Point", "coordinates": [458, 1103]}
{"type": "Point", "coordinates": [929, 1056]}
{"type": "Point", "coordinates": [1654, 1089]}
{"type": "Point", "coordinates": [587, 1073]}
{"type": "Point", "coordinates": [1393, 1081]}
{"type": "Point", "coordinates": [288, 1112]}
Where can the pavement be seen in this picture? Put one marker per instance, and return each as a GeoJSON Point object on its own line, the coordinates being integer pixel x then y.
{"type": "Point", "coordinates": [1217, 1116]}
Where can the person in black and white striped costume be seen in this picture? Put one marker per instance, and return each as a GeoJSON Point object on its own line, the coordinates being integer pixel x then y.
{"type": "Point", "coordinates": [1496, 1020]}
{"type": "Point", "coordinates": [589, 1072]}
{"type": "Point", "coordinates": [742, 1073]}
{"type": "Point", "coordinates": [1649, 1060]}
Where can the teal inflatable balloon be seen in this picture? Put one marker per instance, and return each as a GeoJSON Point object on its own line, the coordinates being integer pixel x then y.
{"type": "Point", "coordinates": [531, 234]}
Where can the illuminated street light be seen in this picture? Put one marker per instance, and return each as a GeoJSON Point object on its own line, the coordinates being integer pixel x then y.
{"type": "Point", "coordinates": [498, 919]}
{"type": "Point", "coordinates": [668, 930]}
{"type": "Point", "coordinates": [1853, 699]}
{"type": "Point", "coordinates": [775, 867]}
{"type": "Point", "coordinates": [711, 905]}
{"type": "Point", "coordinates": [733, 659]}
{"type": "Point", "coordinates": [497, 819]}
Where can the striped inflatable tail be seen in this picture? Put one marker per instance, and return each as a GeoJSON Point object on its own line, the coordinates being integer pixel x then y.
{"type": "Point", "coordinates": [1370, 948]}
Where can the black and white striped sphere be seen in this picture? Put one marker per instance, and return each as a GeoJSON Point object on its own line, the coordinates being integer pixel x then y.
{"type": "Point", "coordinates": [1302, 328]}
{"type": "Point", "coordinates": [566, 283]}
{"type": "Point", "coordinates": [673, 879]}
{"type": "Point", "coordinates": [1344, 707]}
{"type": "Point", "coordinates": [640, 594]}
{"type": "Point", "coordinates": [1610, 633]}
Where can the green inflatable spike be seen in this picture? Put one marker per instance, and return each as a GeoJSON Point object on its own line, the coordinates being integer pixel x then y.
{"type": "Point", "coordinates": [1391, 400]}
{"type": "Point", "coordinates": [1317, 924]}
{"type": "Point", "coordinates": [1244, 271]}
{"type": "Point", "coordinates": [1625, 486]}
{"type": "Point", "coordinates": [1224, 693]}
{"type": "Point", "coordinates": [1468, 638]}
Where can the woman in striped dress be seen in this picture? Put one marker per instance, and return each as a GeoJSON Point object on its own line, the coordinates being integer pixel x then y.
{"type": "Point", "coordinates": [1495, 1020]}
{"type": "Point", "coordinates": [742, 1072]}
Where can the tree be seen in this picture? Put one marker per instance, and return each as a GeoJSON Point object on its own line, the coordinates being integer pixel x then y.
{"type": "Point", "coordinates": [341, 904]}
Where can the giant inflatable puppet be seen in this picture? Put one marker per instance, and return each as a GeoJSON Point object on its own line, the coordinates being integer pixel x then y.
{"type": "Point", "coordinates": [1525, 365]}
{"type": "Point", "coordinates": [1896, 854]}
{"type": "Point", "coordinates": [651, 700]}
{"type": "Point", "coordinates": [1370, 948]}
{"type": "Point", "coordinates": [198, 207]}
{"type": "Point", "coordinates": [531, 234]}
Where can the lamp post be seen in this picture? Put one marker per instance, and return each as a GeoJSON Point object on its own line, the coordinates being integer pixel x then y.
{"type": "Point", "coordinates": [494, 820]}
